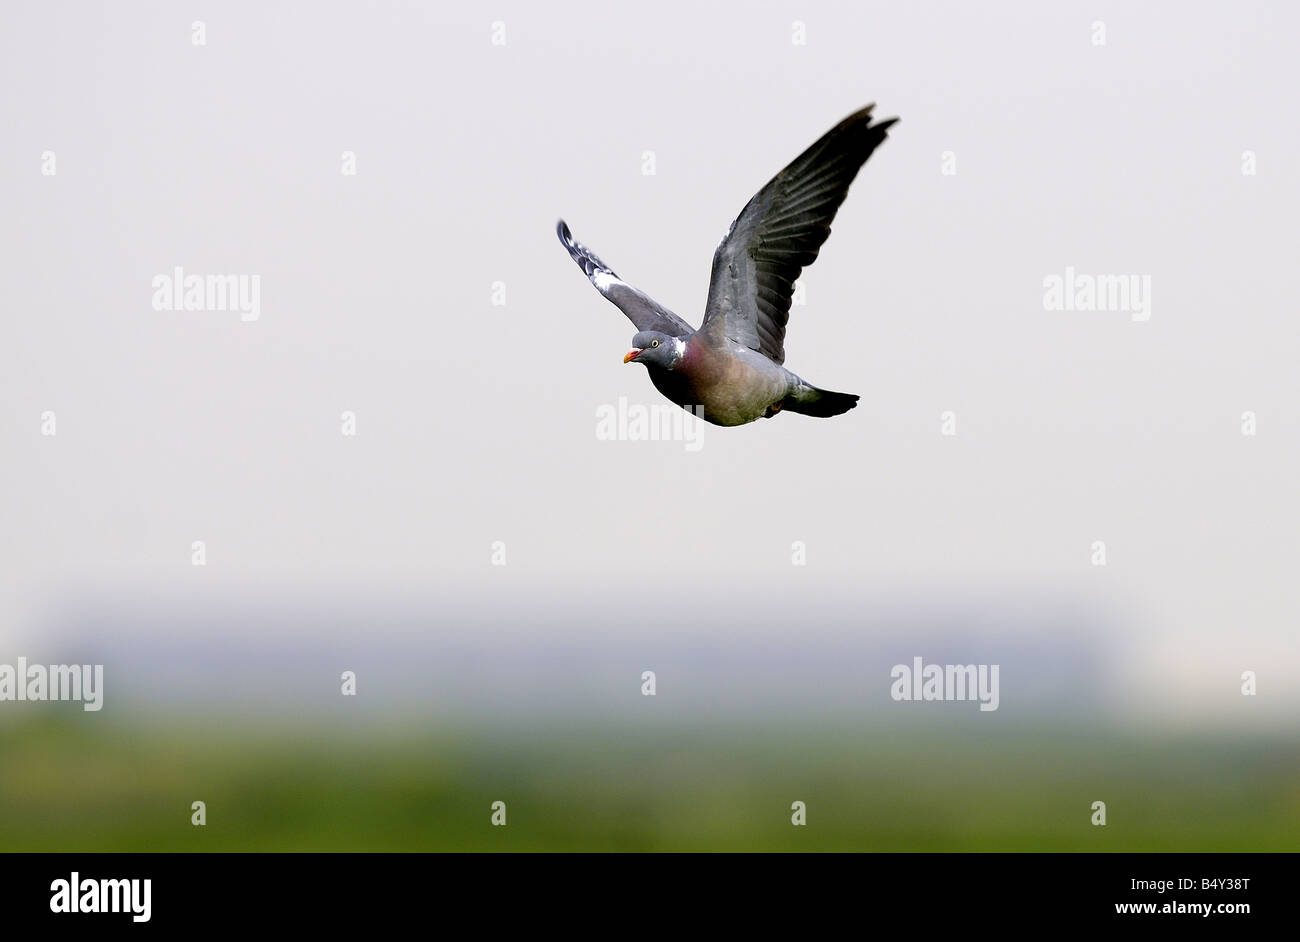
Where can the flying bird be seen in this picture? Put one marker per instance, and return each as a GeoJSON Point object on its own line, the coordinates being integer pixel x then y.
{"type": "Point", "coordinates": [731, 370]}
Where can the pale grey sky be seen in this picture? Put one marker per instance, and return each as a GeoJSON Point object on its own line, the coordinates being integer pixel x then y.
{"type": "Point", "coordinates": [476, 422]}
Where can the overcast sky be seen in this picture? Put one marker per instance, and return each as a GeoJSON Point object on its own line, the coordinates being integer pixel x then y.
{"type": "Point", "coordinates": [476, 421]}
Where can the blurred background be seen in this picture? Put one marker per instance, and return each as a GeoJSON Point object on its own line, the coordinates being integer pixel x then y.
{"type": "Point", "coordinates": [498, 578]}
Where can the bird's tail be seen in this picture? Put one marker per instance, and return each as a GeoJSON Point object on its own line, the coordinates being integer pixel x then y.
{"type": "Point", "coordinates": [822, 403]}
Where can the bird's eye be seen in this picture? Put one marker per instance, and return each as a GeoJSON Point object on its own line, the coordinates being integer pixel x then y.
{"type": "Point", "coordinates": [654, 343]}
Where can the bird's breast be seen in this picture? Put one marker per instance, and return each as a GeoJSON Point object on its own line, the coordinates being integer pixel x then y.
{"type": "Point", "coordinates": [728, 389]}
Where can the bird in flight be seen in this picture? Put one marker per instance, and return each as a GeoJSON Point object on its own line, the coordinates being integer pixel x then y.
{"type": "Point", "coordinates": [730, 371]}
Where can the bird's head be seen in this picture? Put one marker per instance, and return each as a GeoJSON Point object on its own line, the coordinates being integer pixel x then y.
{"type": "Point", "coordinates": [655, 349]}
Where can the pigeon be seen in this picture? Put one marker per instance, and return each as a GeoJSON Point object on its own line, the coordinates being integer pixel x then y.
{"type": "Point", "coordinates": [730, 371]}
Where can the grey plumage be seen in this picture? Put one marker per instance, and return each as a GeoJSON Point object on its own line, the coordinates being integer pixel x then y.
{"type": "Point", "coordinates": [781, 230]}
{"type": "Point", "coordinates": [731, 369]}
{"type": "Point", "coordinates": [641, 309]}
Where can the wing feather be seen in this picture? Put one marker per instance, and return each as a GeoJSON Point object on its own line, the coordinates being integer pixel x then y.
{"type": "Point", "coordinates": [641, 309]}
{"type": "Point", "coordinates": [779, 233]}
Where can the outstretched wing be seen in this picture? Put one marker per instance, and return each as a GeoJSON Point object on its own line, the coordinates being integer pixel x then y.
{"type": "Point", "coordinates": [641, 309]}
{"type": "Point", "coordinates": [779, 233]}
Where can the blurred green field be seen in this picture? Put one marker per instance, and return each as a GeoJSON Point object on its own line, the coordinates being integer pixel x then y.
{"type": "Point", "coordinates": [70, 784]}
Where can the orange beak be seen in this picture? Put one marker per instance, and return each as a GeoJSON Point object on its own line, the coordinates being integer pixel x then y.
{"type": "Point", "coordinates": [632, 355]}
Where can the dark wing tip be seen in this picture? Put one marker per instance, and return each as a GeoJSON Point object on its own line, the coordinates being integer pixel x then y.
{"type": "Point", "coordinates": [863, 116]}
{"type": "Point", "coordinates": [587, 260]}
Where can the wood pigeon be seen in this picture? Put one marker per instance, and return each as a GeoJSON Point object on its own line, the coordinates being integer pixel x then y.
{"type": "Point", "coordinates": [730, 370]}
